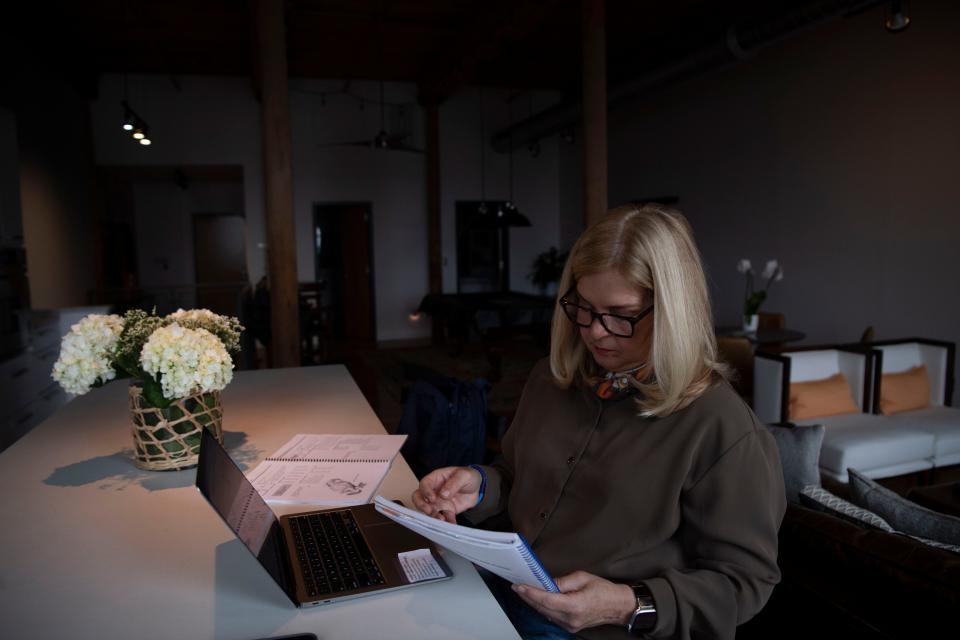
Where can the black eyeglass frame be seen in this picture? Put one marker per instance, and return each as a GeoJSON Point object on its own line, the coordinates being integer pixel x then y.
{"type": "Point", "coordinates": [633, 320]}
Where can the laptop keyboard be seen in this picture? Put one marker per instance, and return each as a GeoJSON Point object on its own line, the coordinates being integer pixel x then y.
{"type": "Point", "coordinates": [332, 553]}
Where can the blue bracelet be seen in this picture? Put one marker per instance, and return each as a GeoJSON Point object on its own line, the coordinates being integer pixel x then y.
{"type": "Point", "coordinates": [483, 481]}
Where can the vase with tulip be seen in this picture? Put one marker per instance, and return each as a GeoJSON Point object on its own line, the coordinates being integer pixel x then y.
{"type": "Point", "coordinates": [754, 297]}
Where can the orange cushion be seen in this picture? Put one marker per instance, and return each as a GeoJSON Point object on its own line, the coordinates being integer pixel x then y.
{"type": "Point", "coordinates": [816, 398]}
{"type": "Point", "coordinates": [904, 391]}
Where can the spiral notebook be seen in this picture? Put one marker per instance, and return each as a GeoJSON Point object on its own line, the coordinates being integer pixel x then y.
{"type": "Point", "coordinates": [326, 469]}
{"type": "Point", "coordinates": [506, 554]}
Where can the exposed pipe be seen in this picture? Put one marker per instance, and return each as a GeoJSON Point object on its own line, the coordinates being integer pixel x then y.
{"type": "Point", "coordinates": [740, 42]}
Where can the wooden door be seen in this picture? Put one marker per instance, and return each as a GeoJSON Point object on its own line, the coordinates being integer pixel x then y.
{"type": "Point", "coordinates": [345, 268]}
{"type": "Point", "coordinates": [219, 247]}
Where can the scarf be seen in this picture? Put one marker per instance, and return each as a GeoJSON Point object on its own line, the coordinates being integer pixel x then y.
{"type": "Point", "coordinates": [616, 384]}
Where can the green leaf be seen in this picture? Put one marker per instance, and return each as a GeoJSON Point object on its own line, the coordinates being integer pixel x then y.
{"type": "Point", "coordinates": [153, 393]}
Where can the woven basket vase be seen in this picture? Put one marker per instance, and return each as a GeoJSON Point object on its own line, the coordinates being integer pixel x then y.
{"type": "Point", "coordinates": [169, 439]}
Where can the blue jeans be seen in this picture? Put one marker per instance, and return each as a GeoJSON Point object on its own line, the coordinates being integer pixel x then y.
{"type": "Point", "coordinates": [527, 620]}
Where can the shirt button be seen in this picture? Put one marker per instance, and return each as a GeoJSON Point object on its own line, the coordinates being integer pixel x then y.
{"type": "Point", "coordinates": [543, 515]}
{"type": "Point", "coordinates": [571, 459]}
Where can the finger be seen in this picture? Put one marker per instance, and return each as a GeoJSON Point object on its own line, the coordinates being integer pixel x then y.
{"type": "Point", "coordinates": [456, 482]}
{"type": "Point", "coordinates": [447, 516]}
{"type": "Point", "coordinates": [574, 581]}
{"type": "Point", "coordinates": [541, 599]}
{"type": "Point", "coordinates": [420, 503]}
{"type": "Point", "coordinates": [430, 483]}
{"type": "Point", "coordinates": [446, 510]}
{"type": "Point", "coordinates": [559, 617]}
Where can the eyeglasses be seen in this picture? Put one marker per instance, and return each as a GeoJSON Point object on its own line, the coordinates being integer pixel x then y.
{"type": "Point", "coordinates": [620, 326]}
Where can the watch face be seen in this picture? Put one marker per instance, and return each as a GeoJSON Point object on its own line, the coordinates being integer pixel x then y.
{"type": "Point", "coordinates": [645, 617]}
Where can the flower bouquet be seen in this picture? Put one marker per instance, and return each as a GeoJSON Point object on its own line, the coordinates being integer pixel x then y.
{"type": "Point", "coordinates": [752, 297]}
{"type": "Point", "coordinates": [177, 364]}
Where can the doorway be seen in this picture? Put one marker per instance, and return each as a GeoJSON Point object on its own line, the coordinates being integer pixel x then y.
{"type": "Point", "coordinates": [220, 262]}
{"type": "Point", "coordinates": [344, 272]}
{"type": "Point", "coordinates": [483, 247]}
{"type": "Point", "coordinates": [153, 249]}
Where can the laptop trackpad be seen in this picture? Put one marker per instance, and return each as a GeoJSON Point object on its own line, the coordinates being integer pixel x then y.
{"type": "Point", "coordinates": [388, 539]}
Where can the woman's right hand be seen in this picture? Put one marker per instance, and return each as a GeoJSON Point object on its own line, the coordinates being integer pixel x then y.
{"type": "Point", "coordinates": [448, 491]}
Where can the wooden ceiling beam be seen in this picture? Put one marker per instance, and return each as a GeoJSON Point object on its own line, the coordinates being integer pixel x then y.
{"type": "Point", "coordinates": [485, 42]}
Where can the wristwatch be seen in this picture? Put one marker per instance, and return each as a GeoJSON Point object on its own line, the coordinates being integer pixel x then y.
{"type": "Point", "coordinates": [645, 617]}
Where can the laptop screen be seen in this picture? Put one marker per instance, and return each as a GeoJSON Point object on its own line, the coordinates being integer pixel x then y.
{"type": "Point", "coordinates": [229, 492]}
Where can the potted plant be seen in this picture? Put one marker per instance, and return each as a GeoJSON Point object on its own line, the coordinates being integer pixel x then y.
{"type": "Point", "coordinates": [177, 366]}
{"type": "Point", "coordinates": [547, 268]}
{"type": "Point", "coordinates": [752, 297]}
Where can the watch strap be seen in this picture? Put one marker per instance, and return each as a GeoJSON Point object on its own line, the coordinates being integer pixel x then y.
{"type": "Point", "coordinates": [644, 617]}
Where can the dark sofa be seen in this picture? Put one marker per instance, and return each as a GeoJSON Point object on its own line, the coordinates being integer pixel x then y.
{"type": "Point", "coordinates": [840, 580]}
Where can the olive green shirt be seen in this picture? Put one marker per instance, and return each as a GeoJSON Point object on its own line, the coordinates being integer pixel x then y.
{"type": "Point", "coordinates": [689, 504]}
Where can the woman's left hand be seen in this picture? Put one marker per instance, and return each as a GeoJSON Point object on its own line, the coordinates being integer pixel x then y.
{"type": "Point", "coordinates": [585, 600]}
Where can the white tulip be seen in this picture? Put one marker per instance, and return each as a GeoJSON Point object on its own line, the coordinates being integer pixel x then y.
{"type": "Point", "coordinates": [770, 269]}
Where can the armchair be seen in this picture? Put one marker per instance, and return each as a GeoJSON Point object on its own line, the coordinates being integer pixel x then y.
{"type": "Point", "coordinates": [938, 418]}
{"type": "Point", "coordinates": [871, 443]}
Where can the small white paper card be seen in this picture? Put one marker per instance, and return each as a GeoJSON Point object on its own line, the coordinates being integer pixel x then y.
{"type": "Point", "coordinates": [419, 565]}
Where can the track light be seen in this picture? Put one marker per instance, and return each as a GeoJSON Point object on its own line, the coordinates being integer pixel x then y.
{"type": "Point", "coordinates": [135, 124]}
{"type": "Point", "coordinates": [897, 20]}
{"type": "Point", "coordinates": [129, 119]}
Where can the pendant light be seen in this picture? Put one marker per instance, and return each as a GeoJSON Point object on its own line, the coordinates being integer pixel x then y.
{"type": "Point", "coordinates": [510, 216]}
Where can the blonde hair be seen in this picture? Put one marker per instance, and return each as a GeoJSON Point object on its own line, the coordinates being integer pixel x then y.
{"type": "Point", "coordinates": [652, 247]}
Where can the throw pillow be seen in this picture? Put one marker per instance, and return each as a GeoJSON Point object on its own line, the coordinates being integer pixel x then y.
{"type": "Point", "coordinates": [902, 514]}
{"type": "Point", "coordinates": [799, 449]}
{"type": "Point", "coordinates": [905, 391]}
{"type": "Point", "coordinates": [822, 500]}
{"type": "Point", "coordinates": [817, 398]}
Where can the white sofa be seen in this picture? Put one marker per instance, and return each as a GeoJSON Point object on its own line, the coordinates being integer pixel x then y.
{"type": "Point", "coordinates": [875, 445]}
{"type": "Point", "coordinates": [940, 420]}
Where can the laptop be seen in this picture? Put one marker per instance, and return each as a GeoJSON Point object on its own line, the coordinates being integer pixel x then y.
{"type": "Point", "coordinates": [317, 557]}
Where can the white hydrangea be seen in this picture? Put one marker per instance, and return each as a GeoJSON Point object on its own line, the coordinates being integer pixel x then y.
{"type": "Point", "coordinates": [194, 315]}
{"type": "Point", "coordinates": [186, 361]}
{"type": "Point", "coordinates": [86, 353]}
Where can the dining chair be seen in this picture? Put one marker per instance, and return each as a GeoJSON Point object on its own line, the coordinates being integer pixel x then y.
{"type": "Point", "coordinates": [738, 353]}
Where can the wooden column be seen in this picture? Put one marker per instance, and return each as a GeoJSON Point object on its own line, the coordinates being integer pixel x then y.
{"type": "Point", "coordinates": [594, 110]}
{"type": "Point", "coordinates": [434, 239]}
{"type": "Point", "coordinates": [278, 182]}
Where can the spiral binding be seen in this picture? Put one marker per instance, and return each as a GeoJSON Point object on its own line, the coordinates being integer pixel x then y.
{"type": "Point", "coordinates": [538, 570]}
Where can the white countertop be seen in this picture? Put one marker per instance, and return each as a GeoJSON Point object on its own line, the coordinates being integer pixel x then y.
{"type": "Point", "coordinates": [92, 547]}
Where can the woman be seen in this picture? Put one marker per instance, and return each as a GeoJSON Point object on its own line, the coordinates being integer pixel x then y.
{"type": "Point", "coordinates": [637, 474]}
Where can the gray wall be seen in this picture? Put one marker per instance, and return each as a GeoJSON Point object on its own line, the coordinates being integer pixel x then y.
{"type": "Point", "coordinates": [836, 152]}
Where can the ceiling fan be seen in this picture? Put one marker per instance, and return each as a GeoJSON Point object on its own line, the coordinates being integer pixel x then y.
{"type": "Point", "coordinates": [383, 139]}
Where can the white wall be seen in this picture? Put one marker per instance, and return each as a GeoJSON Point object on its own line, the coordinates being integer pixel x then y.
{"type": "Point", "coordinates": [206, 121]}
{"type": "Point", "coordinates": [534, 179]}
{"type": "Point", "coordinates": [836, 151]}
{"type": "Point", "coordinates": [394, 182]}
{"type": "Point", "coordinates": [217, 121]}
